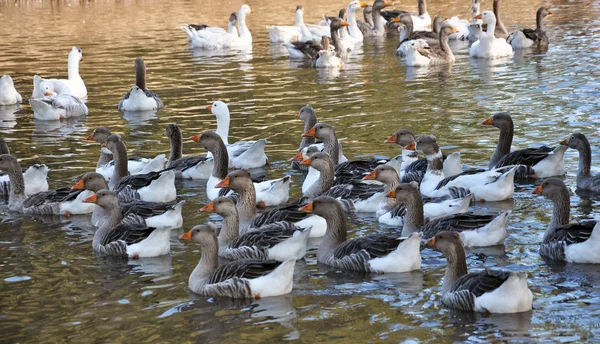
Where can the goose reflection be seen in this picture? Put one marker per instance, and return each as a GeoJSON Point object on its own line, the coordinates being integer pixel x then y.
{"type": "Point", "coordinates": [136, 119]}
{"type": "Point", "coordinates": [8, 115]}
{"type": "Point", "coordinates": [57, 131]}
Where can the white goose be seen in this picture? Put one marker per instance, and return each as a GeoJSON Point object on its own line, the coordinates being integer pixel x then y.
{"type": "Point", "coordinates": [59, 107]}
{"type": "Point", "coordinates": [212, 39]}
{"type": "Point", "coordinates": [488, 46]}
{"type": "Point", "coordinates": [354, 31]}
{"type": "Point", "coordinates": [285, 34]}
{"type": "Point", "coordinates": [8, 93]}
{"type": "Point", "coordinates": [74, 85]}
{"type": "Point", "coordinates": [242, 154]}
{"type": "Point", "coordinates": [191, 29]}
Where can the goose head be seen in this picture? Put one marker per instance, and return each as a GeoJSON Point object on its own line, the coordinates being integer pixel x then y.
{"type": "Point", "coordinates": [487, 17]}
{"type": "Point", "coordinates": [500, 120]}
{"type": "Point", "coordinates": [99, 135]}
{"type": "Point", "coordinates": [239, 181]}
{"type": "Point", "coordinates": [378, 5]}
{"type": "Point", "coordinates": [204, 235]}
{"type": "Point", "coordinates": [222, 206]}
{"type": "Point", "coordinates": [233, 18]}
{"type": "Point", "coordinates": [9, 163]}
{"type": "Point", "coordinates": [112, 141]}
{"type": "Point", "coordinates": [245, 10]}
{"type": "Point", "coordinates": [300, 10]}
{"type": "Point", "coordinates": [447, 242]}
{"type": "Point", "coordinates": [47, 88]}
{"type": "Point", "coordinates": [305, 153]}
{"type": "Point", "coordinates": [427, 145]}
{"type": "Point", "coordinates": [307, 113]}
{"type": "Point", "coordinates": [553, 188]}
{"type": "Point", "coordinates": [401, 137]}
{"type": "Point", "coordinates": [136, 91]}
{"type": "Point", "coordinates": [172, 131]}
{"type": "Point", "coordinates": [323, 206]}
{"type": "Point", "coordinates": [356, 6]}
{"type": "Point", "coordinates": [219, 109]}
{"type": "Point", "coordinates": [6, 80]}
{"type": "Point", "coordinates": [383, 173]}
{"type": "Point", "coordinates": [208, 139]}
{"type": "Point", "coordinates": [543, 12]}
{"type": "Point", "coordinates": [104, 198]}
{"type": "Point", "coordinates": [576, 141]}
{"type": "Point", "coordinates": [76, 54]}
{"type": "Point", "coordinates": [91, 181]}
{"type": "Point", "coordinates": [336, 24]}
{"type": "Point", "coordinates": [405, 192]}
{"type": "Point", "coordinates": [321, 131]}
{"type": "Point", "coordinates": [319, 161]}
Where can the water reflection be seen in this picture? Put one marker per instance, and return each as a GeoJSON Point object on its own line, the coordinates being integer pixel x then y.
{"type": "Point", "coordinates": [8, 115]}
{"type": "Point", "coordinates": [138, 119]}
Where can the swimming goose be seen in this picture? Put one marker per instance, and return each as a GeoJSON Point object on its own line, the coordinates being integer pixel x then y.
{"type": "Point", "coordinates": [242, 154]}
{"type": "Point", "coordinates": [186, 167]}
{"type": "Point", "coordinates": [240, 182]}
{"type": "Point", "coordinates": [215, 39]}
{"type": "Point", "coordinates": [403, 138]}
{"type": "Point", "coordinates": [432, 55]}
{"type": "Point", "coordinates": [74, 85]}
{"type": "Point", "coordinates": [354, 31]}
{"type": "Point", "coordinates": [54, 202]}
{"type": "Point", "coordinates": [152, 214]}
{"type": "Point", "coordinates": [368, 23]}
{"type": "Point", "coordinates": [115, 238]}
{"type": "Point", "coordinates": [527, 38]}
{"type": "Point", "coordinates": [231, 28]}
{"type": "Point", "coordinates": [278, 241]}
{"type": "Point", "coordinates": [139, 98]}
{"type": "Point", "coordinates": [409, 35]}
{"type": "Point", "coordinates": [490, 291]}
{"type": "Point", "coordinates": [577, 242]}
{"type": "Point", "coordinates": [150, 187]}
{"type": "Point", "coordinates": [246, 278]}
{"type": "Point", "coordinates": [463, 25]}
{"type": "Point", "coordinates": [475, 229]}
{"type": "Point", "coordinates": [355, 195]}
{"type": "Point", "coordinates": [310, 49]}
{"type": "Point", "coordinates": [327, 57]}
{"type": "Point", "coordinates": [8, 93]}
{"type": "Point", "coordinates": [378, 28]}
{"type": "Point", "coordinates": [35, 177]}
{"type": "Point", "coordinates": [286, 34]}
{"type": "Point", "coordinates": [391, 212]}
{"type": "Point", "coordinates": [585, 180]}
{"type": "Point", "coordinates": [308, 116]}
{"type": "Point", "coordinates": [268, 193]}
{"type": "Point", "coordinates": [371, 253]}
{"type": "Point", "coordinates": [488, 46]}
{"type": "Point", "coordinates": [545, 161]}
{"type": "Point", "coordinates": [58, 107]}
{"type": "Point", "coordinates": [135, 165]}
{"type": "Point", "coordinates": [422, 21]}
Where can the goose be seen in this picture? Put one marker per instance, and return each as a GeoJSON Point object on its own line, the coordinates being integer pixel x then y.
{"type": "Point", "coordinates": [577, 242]}
{"type": "Point", "coordinates": [8, 92]}
{"type": "Point", "coordinates": [240, 182]}
{"type": "Point", "coordinates": [139, 98]}
{"type": "Point", "coordinates": [376, 253]}
{"type": "Point", "coordinates": [327, 57]}
{"type": "Point", "coordinates": [368, 23]}
{"type": "Point", "coordinates": [278, 241]}
{"type": "Point", "coordinates": [488, 46]}
{"type": "Point", "coordinates": [391, 212]}
{"type": "Point", "coordinates": [475, 230]}
{"type": "Point", "coordinates": [54, 202]}
{"type": "Point", "coordinates": [74, 85]}
{"type": "Point", "coordinates": [58, 107]}
{"type": "Point", "coordinates": [114, 238]}
{"type": "Point", "coordinates": [231, 28]}
{"type": "Point", "coordinates": [494, 185]}
{"type": "Point", "coordinates": [135, 165]}
{"type": "Point", "coordinates": [286, 34]}
{"type": "Point", "coordinates": [242, 154]}
{"type": "Point", "coordinates": [462, 25]}
{"type": "Point", "coordinates": [355, 34]}
{"type": "Point", "coordinates": [151, 187]}
{"type": "Point", "coordinates": [35, 177]}
{"type": "Point", "coordinates": [545, 161]}
{"type": "Point", "coordinates": [188, 167]}
{"type": "Point", "coordinates": [422, 21]}
{"type": "Point", "coordinates": [403, 138]}
{"type": "Point", "coordinates": [245, 278]}
{"type": "Point", "coordinates": [268, 193]}
{"type": "Point", "coordinates": [490, 291]}
{"type": "Point", "coordinates": [409, 35]}
{"type": "Point", "coordinates": [152, 214]}
{"type": "Point", "coordinates": [585, 180]}
{"type": "Point", "coordinates": [378, 28]}
{"type": "Point", "coordinates": [527, 38]}
{"type": "Point", "coordinates": [431, 55]}
{"type": "Point", "coordinates": [308, 116]}
{"type": "Point", "coordinates": [310, 49]}
{"type": "Point", "coordinates": [214, 39]}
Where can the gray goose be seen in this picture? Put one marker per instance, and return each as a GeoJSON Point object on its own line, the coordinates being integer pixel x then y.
{"type": "Point", "coordinates": [527, 38]}
{"type": "Point", "coordinates": [475, 230]}
{"type": "Point", "coordinates": [490, 291]}
{"type": "Point", "coordinates": [188, 167]}
{"type": "Point", "coordinates": [585, 180]}
{"type": "Point", "coordinates": [370, 253]}
{"type": "Point", "coordinates": [140, 98]}
{"type": "Point", "coordinates": [439, 54]}
{"type": "Point", "coordinates": [278, 241]}
{"type": "Point", "coordinates": [246, 278]}
{"type": "Point", "coordinates": [368, 23]}
{"type": "Point", "coordinates": [310, 49]}
{"type": "Point", "coordinates": [378, 28]}
{"type": "Point", "coordinates": [115, 238]}
{"type": "Point", "coordinates": [545, 161]}
{"type": "Point", "coordinates": [577, 242]}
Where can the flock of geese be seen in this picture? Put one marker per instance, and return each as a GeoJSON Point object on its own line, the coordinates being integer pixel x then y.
{"type": "Point", "coordinates": [425, 193]}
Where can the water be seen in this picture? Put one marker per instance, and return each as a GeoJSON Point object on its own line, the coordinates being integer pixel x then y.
{"type": "Point", "coordinates": [54, 289]}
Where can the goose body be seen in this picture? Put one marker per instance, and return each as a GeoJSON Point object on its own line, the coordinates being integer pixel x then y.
{"type": "Point", "coordinates": [419, 53]}
{"type": "Point", "coordinates": [297, 33]}
{"type": "Point", "coordinates": [488, 46]}
{"type": "Point", "coordinates": [59, 107]}
{"type": "Point", "coordinates": [221, 39]}
{"type": "Point", "coordinates": [528, 38]}
{"type": "Point", "coordinates": [8, 93]}
{"type": "Point", "coordinates": [191, 29]}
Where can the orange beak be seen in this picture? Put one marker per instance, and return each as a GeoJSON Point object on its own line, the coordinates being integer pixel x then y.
{"type": "Point", "coordinates": [345, 23]}
{"type": "Point", "coordinates": [297, 157]}
{"type": "Point", "coordinates": [391, 194]}
{"type": "Point", "coordinates": [371, 176]}
{"type": "Point", "coordinates": [79, 185]}
{"type": "Point", "coordinates": [538, 190]}
{"type": "Point", "coordinates": [186, 236]}
{"type": "Point", "coordinates": [363, 4]}
{"type": "Point", "coordinates": [307, 208]}
{"type": "Point", "coordinates": [411, 146]}
{"type": "Point", "coordinates": [312, 132]}
{"type": "Point", "coordinates": [209, 208]}
{"type": "Point", "coordinates": [195, 138]}
{"type": "Point", "coordinates": [387, 3]}
{"type": "Point", "coordinates": [564, 142]}
{"type": "Point", "coordinates": [305, 162]}
{"type": "Point", "coordinates": [251, 10]}
{"type": "Point", "coordinates": [396, 20]}
{"type": "Point", "coordinates": [487, 121]}
{"type": "Point", "coordinates": [298, 114]}
{"type": "Point", "coordinates": [391, 139]}
{"type": "Point", "coordinates": [223, 183]}
{"type": "Point", "coordinates": [90, 137]}
{"type": "Point", "coordinates": [477, 16]}
{"type": "Point", "coordinates": [91, 199]}
{"type": "Point", "coordinates": [47, 94]}
{"type": "Point", "coordinates": [431, 242]}
{"type": "Point", "coordinates": [209, 108]}
{"type": "Point", "coordinates": [549, 12]}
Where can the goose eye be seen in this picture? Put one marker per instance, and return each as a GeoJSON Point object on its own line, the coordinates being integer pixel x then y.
{"type": "Point", "coordinates": [197, 231]}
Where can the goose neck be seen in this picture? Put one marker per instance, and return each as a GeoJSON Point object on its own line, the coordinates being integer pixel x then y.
{"type": "Point", "coordinates": [335, 234]}
{"type": "Point", "coordinates": [242, 28]}
{"type": "Point", "coordinates": [504, 144]}
{"type": "Point", "coordinates": [120, 157]}
{"type": "Point", "coordinates": [73, 68]}
{"type": "Point", "coordinates": [230, 230]}
{"type": "Point", "coordinates": [246, 207]}
{"type": "Point", "coordinates": [422, 7]}
{"type": "Point", "coordinates": [176, 148]}
{"type": "Point", "coordinates": [585, 160]}
{"type": "Point", "coordinates": [332, 147]}
{"type": "Point", "coordinates": [457, 266]}
{"type": "Point", "coordinates": [561, 211]}
{"type": "Point", "coordinates": [17, 183]}
{"type": "Point", "coordinates": [414, 219]}
{"type": "Point", "coordinates": [539, 21]}
{"type": "Point", "coordinates": [223, 126]}
{"type": "Point", "coordinates": [324, 183]}
{"type": "Point", "coordinates": [112, 217]}
{"type": "Point", "coordinates": [221, 160]}
{"type": "Point", "coordinates": [209, 261]}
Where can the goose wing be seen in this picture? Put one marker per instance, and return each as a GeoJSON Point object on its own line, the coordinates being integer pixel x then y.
{"type": "Point", "coordinates": [527, 156]}
{"type": "Point", "coordinates": [246, 268]}
{"type": "Point", "coordinates": [376, 245]}
{"type": "Point", "coordinates": [456, 223]}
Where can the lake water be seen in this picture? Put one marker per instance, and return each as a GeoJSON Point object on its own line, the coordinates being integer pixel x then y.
{"type": "Point", "coordinates": [54, 289]}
